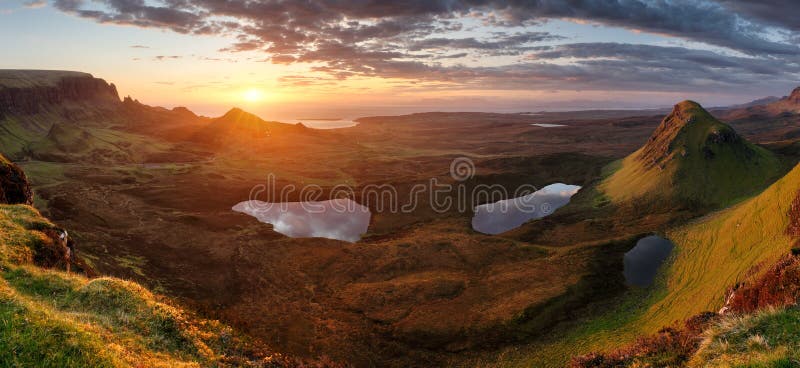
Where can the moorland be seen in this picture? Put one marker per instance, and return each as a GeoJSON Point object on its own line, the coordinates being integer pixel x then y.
{"type": "Point", "coordinates": [146, 194]}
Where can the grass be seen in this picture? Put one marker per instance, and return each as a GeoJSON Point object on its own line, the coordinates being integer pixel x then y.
{"type": "Point", "coordinates": [768, 338]}
{"type": "Point", "coordinates": [715, 252]}
{"type": "Point", "coordinates": [50, 318]}
{"type": "Point", "coordinates": [712, 254]}
{"type": "Point", "coordinates": [702, 162]}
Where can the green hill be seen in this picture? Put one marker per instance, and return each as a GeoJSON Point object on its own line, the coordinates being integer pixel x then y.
{"type": "Point", "coordinates": [716, 252]}
{"type": "Point", "coordinates": [692, 159]}
{"type": "Point", "coordinates": [746, 248]}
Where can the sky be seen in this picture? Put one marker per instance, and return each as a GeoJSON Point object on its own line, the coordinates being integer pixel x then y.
{"type": "Point", "coordinates": [337, 58]}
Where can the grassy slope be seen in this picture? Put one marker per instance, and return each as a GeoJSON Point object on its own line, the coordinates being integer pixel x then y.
{"type": "Point", "coordinates": [50, 318]}
{"type": "Point", "coordinates": [687, 175]}
{"type": "Point", "coordinates": [765, 339]}
{"type": "Point", "coordinates": [715, 252]}
{"type": "Point", "coordinates": [711, 255]}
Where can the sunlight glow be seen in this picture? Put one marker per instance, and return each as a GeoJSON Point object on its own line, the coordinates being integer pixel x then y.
{"type": "Point", "coordinates": [253, 95]}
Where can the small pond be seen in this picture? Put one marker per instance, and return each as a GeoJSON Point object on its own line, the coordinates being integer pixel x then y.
{"type": "Point", "coordinates": [642, 262]}
{"type": "Point", "coordinates": [505, 215]}
{"type": "Point", "coordinates": [341, 219]}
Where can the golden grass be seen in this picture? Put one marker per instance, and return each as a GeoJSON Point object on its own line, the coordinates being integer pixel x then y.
{"type": "Point", "coordinates": [50, 318]}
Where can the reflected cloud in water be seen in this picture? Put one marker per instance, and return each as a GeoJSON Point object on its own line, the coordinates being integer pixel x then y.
{"type": "Point", "coordinates": [505, 215]}
{"type": "Point", "coordinates": [341, 219]}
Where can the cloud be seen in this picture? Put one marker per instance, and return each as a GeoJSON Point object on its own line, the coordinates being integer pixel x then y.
{"type": "Point", "coordinates": [35, 4]}
{"type": "Point", "coordinates": [305, 81]}
{"type": "Point", "coordinates": [412, 39]}
{"type": "Point", "coordinates": [139, 47]}
{"type": "Point", "coordinates": [167, 57]}
{"type": "Point", "coordinates": [502, 44]}
{"type": "Point", "coordinates": [780, 13]}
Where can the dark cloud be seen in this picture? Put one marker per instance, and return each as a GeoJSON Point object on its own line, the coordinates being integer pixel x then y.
{"type": "Point", "coordinates": [780, 13]}
{"type": "Point", "coordinates": [413, 38]}
{"type": "Point", "coordinates": [502, 44]}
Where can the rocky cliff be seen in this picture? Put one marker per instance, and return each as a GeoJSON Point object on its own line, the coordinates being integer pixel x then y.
{"type": "Point", "coordinates": [26, 92]}
{"type": "Point", "coordinates": [14, 186]}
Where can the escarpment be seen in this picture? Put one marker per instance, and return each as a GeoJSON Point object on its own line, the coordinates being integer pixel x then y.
{"type": "Point", "coordinates": [27, 92]}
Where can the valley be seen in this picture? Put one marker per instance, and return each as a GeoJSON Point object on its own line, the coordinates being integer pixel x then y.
{"type": "Point", "coordinates": [148, 195]}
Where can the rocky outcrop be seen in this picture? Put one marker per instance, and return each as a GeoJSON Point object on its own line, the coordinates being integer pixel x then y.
{"type": "Point", "coordinates": [14, 186]}
{"type": "Point", "coordinates": [794, 98]}
{"type": "Point", "coordinates": [29, 97]}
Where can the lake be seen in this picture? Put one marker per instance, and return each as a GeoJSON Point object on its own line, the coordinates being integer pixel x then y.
{"type": "Point", "coordinates": [643, 261]}
{"type": "Point", "coordinates": [341, 219]}
{"type": "Point", "coordinates": [505, 215]}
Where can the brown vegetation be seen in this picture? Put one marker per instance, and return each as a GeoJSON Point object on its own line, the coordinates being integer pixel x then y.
{"type": "Point", "coordinates": [778, 286]}
{"type": "Point", "coordinates": [670, 347]}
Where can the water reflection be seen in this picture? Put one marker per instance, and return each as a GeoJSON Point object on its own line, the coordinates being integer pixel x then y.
{"type": "Point", "coordinates": [642, 262]}
{"type": "Point", "coordinates": [502, 216]}
{"type": "Point", "coordinates": [546, 125]}
{"type": "Point", "coordinates": [325, 123]}
{"type": "Point", "coordinates": [341, 219]}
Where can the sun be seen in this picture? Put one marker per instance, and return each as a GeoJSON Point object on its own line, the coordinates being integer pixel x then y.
{"type": "Point", "coordinates": [253, 95]}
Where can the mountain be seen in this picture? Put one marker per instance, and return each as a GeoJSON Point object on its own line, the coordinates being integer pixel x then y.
{"type": "Point", "coordinates": [692, 159]}
{"type": "Point", "coordinates": [239, 126]}
{"type": "Point", "coordinates": [770, 121]}
{"type": "Point", "coordinates": [768, 107]}
{"type": "Point", "coordinates": [790, 103]}
{"type": "Point", "coordinates": [758, 102]}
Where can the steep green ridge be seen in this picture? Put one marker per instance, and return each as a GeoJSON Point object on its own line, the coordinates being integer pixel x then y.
{"type": "Point", "coordinates": [692, 159]}
{"type": "Point", "coordinates": [711, 255]}
{"type": "Point", "coordinates": [716, 252]}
